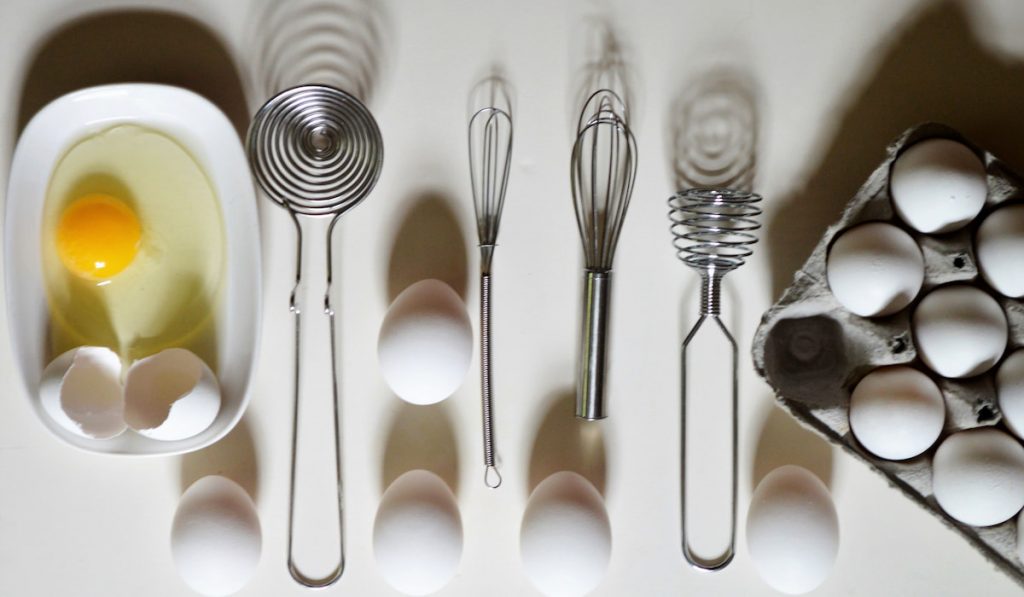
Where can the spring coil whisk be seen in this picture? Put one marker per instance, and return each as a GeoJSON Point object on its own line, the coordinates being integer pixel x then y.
{"type": "Point", "coordinates": [713, 232]}
{"type": "Point", "coordinates": [714, 228]}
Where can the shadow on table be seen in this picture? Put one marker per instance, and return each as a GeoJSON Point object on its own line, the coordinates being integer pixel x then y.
{"type": "Point", "coordinates": [933, 68]}
{"type": "Point", "coordinates": [133, 46]}
{"type": "Point", "coordinates": [566, 443]}
{"type": "Point", "coordinates": [421, 437]}
{"type": "Point", "coordinates": [429, 243]}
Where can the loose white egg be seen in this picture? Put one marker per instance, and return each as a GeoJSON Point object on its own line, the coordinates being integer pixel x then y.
{"type": "Point", "coordinates": [81, 391]}
{"type": "Point", "coordinates": [216, 539]}
{"type": "Point", "coordinates": [938, 185]}
{"type": "Point", "coordinates": [171, 395]}
{"type": "Point", "coordinates": [978, 476]}
{"type": "Point", "coordinates": [1000, 248]}
{"type": "Point", "coordinates": [792, 530]}
{"type": "Point", "coordinates": [1010, 392]}
{"type": "Point", "coordinates": [875, 269]}
{"type": "Point", "coordinates": [425, 343]}
{"type": "Point", "coordinates": [417, 536]}
{"type": "Point", "coordinates": [897, 412]}
{"type": "Point", "coordinates": [960, 331]}
{"type": "Point", "coordinates": [565, 540]}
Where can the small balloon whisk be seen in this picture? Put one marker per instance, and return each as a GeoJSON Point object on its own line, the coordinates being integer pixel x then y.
{"type": "Point", "coordinates": [713, 232]}
{"type": "Point", "coordinates": [490, 153]}
{"type": "Point", "coordinates": [603, 169]}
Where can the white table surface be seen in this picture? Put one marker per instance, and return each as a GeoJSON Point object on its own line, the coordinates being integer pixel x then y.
{"type": "Point", "coordinates": [834, 81]}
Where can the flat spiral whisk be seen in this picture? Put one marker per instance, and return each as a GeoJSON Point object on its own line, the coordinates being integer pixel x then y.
{"type": "Point", "coordinates": [315, 150]}
{"type": "Point", "coordinates": [714, 228]}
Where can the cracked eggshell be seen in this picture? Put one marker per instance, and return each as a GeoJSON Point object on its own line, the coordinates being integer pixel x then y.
{"type": "Point", "coordinates": [426, 343]}
{"type": "Point", "coordinates": [81, 391]}
{"type": "Point", "coordinates": [171, 395]}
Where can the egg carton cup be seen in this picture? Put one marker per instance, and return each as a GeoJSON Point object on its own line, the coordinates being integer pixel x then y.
{"type": "Point", "coordinates": [813, 352]}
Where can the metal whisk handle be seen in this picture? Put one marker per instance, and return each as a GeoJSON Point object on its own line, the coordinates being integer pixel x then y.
{"type": "Point", "coordinates": [597, 287]}
{"type": "Point", "coordinates": [492, 478]}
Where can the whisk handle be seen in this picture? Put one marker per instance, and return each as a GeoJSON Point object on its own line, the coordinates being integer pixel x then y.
{"type": "Point", "coordinates": [492, 478]}
{"type": "Point", "coordinates": [593, 345]}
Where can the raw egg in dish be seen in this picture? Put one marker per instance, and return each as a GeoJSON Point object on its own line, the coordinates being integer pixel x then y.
{"type": "Point", "coordinates": [133, 246]}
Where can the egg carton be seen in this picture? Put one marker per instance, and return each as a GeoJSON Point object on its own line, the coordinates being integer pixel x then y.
{"type": "Point", "coordinates": [813, 352]}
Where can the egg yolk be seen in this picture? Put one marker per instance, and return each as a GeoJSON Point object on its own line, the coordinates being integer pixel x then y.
{"type": "Point", "coordinates": [98, 236]}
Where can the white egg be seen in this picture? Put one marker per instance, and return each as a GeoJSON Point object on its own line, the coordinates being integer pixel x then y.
{"type": "Point", "coordinates": [978, 476]}
{"type": "Point", "coordinates": [875, 269]}
{"type": "Point", "coordinates": [171, 395]}
{"type": "Point", "coordinates": [938, 185]}
{"type": "Point", "coordinates": [425, 343]}
{"type": "Point", "coordinates": [960, 331]}
{"type": "Point", "coordinates": [792, 530]}
{"type": "Point", "coordinates": [81, 391]}
{"type": "Point", "coordinates": [417, 536]}
{"type": "Point", "coordinates": [897, 412]}
{"type": "Point", "coordinates": [1000, 247]}
{"type": "Point", "coordinates": [565, 540]}
{"type": "Point", "coordinates": [1010, 392]}
{"type": "Point", "coordinates": [216, 539]}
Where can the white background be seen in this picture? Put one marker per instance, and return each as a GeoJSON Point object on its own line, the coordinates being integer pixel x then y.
{"type": "Point", "coordinates": [833, 81]}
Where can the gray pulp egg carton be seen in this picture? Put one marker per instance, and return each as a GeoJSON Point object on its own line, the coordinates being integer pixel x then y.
{"type": "Point", "coordinates": [813, 352]}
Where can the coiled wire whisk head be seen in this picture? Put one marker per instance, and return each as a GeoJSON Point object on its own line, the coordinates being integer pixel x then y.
{"type": "Point", "coordinates": [603, 170]}
{"type": "Point", "coordinates": [490, 158]}
{"type": "Point", "coordinates": [713, 232]}
{"type": "Point", "coordinates": [315, 150]}
{"type": "Point", "coordinates": [714, 228]}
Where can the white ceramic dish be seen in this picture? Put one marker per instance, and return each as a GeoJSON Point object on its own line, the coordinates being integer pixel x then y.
{"type": "Point", "coordinates": [208, 135]}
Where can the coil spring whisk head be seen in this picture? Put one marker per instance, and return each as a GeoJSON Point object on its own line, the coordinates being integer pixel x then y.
{"type": "Point", "coordinates": [713, 229]}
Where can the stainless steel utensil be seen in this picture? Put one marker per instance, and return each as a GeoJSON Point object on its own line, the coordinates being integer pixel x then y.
{"type": "Point", "coordinates": [713, 231]}
{"type": "Point", "coordinates": [603, 169]}
{"type": "Point", "coordinates": [317, 152]}
{"type": "Point", "coordinates": [490, 153]}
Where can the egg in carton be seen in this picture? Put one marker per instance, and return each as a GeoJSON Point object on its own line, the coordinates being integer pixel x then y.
{"type": "Point", "coordinates": [813, 351]}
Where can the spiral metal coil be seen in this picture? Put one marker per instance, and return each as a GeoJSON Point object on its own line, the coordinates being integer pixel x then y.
{"type": "Point", "coordinates": [315, 150]}
{"type": "Point", "coordinates": [712, 230]}
{"type": "Point", "coordinates": [490, 158]}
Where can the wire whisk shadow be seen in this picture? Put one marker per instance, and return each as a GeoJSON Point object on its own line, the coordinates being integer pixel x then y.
{"type": "Point", "coordinates": [714, 132]}
{"type": "Point", "coordinates": [340, 43]}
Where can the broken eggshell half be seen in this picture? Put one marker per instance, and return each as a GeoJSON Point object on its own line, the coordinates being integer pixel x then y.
{"type": "Point", "coordinates": [169, 396]}
{"type": "Point", "coordinates": [81, 390]}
